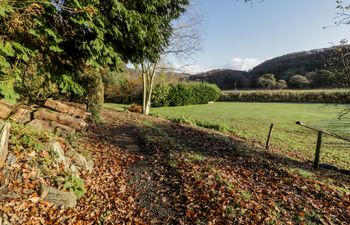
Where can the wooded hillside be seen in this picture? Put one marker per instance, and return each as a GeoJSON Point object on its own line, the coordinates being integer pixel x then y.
{"type": "Point", "coordinates": [306, 63]}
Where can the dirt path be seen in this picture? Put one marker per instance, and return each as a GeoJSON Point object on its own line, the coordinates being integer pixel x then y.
{"type": "Point", "coordinates": [144, 174]}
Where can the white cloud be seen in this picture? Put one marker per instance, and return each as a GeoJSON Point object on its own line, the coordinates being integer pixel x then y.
{"type": "Point", "coordinates": [243, 64]}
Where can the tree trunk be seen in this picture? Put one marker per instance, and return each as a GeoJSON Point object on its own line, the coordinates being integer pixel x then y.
{"type": "Point", "coordinates": [144, 92]}
{"type": "Point", "coordinates": [147, 98]}
{"type": "Point", "coordinates": [149, 74]}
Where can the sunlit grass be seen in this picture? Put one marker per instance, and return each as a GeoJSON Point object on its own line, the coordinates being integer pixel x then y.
{"type": "Point", "coordinates": [252, 121]}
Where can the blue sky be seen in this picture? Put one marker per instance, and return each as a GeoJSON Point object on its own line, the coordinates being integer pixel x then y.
{"type": "Point", "coordinates": [238, 36]}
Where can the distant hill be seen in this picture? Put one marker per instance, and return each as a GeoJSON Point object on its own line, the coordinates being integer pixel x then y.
{"type": "Point", "coordinates": [305, 63]}
{"type": "Point", "coordinates": [225, 79]}
{"type": "Point", "coordinates": [295, 63]}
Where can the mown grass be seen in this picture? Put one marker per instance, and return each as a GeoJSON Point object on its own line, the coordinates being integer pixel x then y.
{"type": "Point", "coordinates": [252, 120]}
{"type": "Point", "coordinates": [114, 106]}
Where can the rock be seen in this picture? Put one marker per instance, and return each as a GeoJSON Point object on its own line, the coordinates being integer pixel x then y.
{"type": "Point", "coordinates": [5, 110]}
{"type": "Point", "coordinates": [11, 159]}
{"type": "Point", "coordinates": [61, 118]}
{"type": "Point", "coordinates": [56, 149]}
{"type": "Point", "coordinates": [81, 161]}
{"type": "Point", "coordinates": [64, 108]}
{"type": "Point", "coordinates": [51, 126]}
{"type": "Point", "coordinates": [22, 114]}
{"type": "Point", "coordinates": [4, 139]}
{"type": "Point", "coordinates": [57, 197]}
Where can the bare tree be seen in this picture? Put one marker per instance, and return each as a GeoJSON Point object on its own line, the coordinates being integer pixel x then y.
{"type": "Point", "coordinates": [184, 42]}
{"type": "Point", "coordinates": [341, 60]}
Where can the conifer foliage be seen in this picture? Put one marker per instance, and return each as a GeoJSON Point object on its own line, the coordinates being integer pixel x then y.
{"type": "Point", "coordinates": [67, 36]}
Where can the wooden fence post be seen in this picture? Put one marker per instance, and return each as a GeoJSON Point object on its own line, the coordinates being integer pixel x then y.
{"type": "Point", "coordinates": [318, 151]}
{"type": "Point", "coordinates": [269, 136]}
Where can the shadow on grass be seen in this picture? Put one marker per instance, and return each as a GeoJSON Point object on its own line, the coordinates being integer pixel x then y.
{"type": "Point", "coordinates": [219, 145]}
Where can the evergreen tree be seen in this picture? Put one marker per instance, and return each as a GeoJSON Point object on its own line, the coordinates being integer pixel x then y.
{"type": "Point", "coordinates": [69, 36]}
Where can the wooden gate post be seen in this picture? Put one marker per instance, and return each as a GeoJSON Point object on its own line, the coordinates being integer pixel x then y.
{"type": "Point", "coordinates": [268, 137]}
{"type": "Point", "coordinates": [318, 151]}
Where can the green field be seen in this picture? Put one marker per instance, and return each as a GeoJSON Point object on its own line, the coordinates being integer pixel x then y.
{"type": "Point", "coordinates": [118, 107]}
{"type": "Point", "coordinates": [252, 120]}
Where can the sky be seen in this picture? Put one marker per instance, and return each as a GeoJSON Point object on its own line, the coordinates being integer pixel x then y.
{"type": "Point", "coordinates": [237, 35]}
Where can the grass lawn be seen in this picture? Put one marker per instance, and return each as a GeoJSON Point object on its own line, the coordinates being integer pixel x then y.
{"type": "Point", "coordinates": [252, 120]}
{"type": "Point", "coordinates": [118, 107]}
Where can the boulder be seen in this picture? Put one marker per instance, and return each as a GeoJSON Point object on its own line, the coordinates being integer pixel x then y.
{"type": "Point", "coordinates": [5, 110]}
{"type": "Point", "coordinates": [65, 108]}
{"type": "Point", "coordinates": [57, 197]}
{"type": "Point", "coordinates": [61, 118]}
{"type": "Point", "coordinates": [57, 150]}
{"type": "Point", "coordinates": [51, 126]}
{"type": "Point", "coordinates": [4, 139]}
{"type": "Point", "coordinates": [81, 161]}
{"type": "Point", "coordinates": [22, 114]}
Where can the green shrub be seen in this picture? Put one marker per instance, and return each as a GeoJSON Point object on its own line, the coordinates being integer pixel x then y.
{"type": "Point", "coordinates": [185, 94]}
{"type": "Point", "coordinates": [181, 94]}
{"type": "Point", "coordinates": [205, 92]}
{"type": "Point", "coordinates": [160, 96]}
{"type": "Point", "coordinates": [91, 81]}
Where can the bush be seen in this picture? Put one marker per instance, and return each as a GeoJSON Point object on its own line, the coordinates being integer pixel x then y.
{"type": "Point", "coordinates": [160, 96]}
{"type": "Point", "coordinates": [92, 82]}
{"type": "Point", "coordinates": [185, 94]}
{"type": "Point", "coordinates": [181, 94]}
{"type": "Point", "coordinates": [204, 93]}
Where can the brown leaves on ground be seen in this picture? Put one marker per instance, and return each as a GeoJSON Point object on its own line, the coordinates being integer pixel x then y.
{"type": "Point", "coordinates": [181, 175]}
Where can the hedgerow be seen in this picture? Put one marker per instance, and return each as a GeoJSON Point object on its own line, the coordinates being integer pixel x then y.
{"type": "Point", "coordinates": [338, 96]}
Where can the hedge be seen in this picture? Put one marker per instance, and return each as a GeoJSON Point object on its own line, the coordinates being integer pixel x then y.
{"type": "Point", "coordinates": [185, 94]}
{"type": "Point", "coordinates": [338, 96]}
